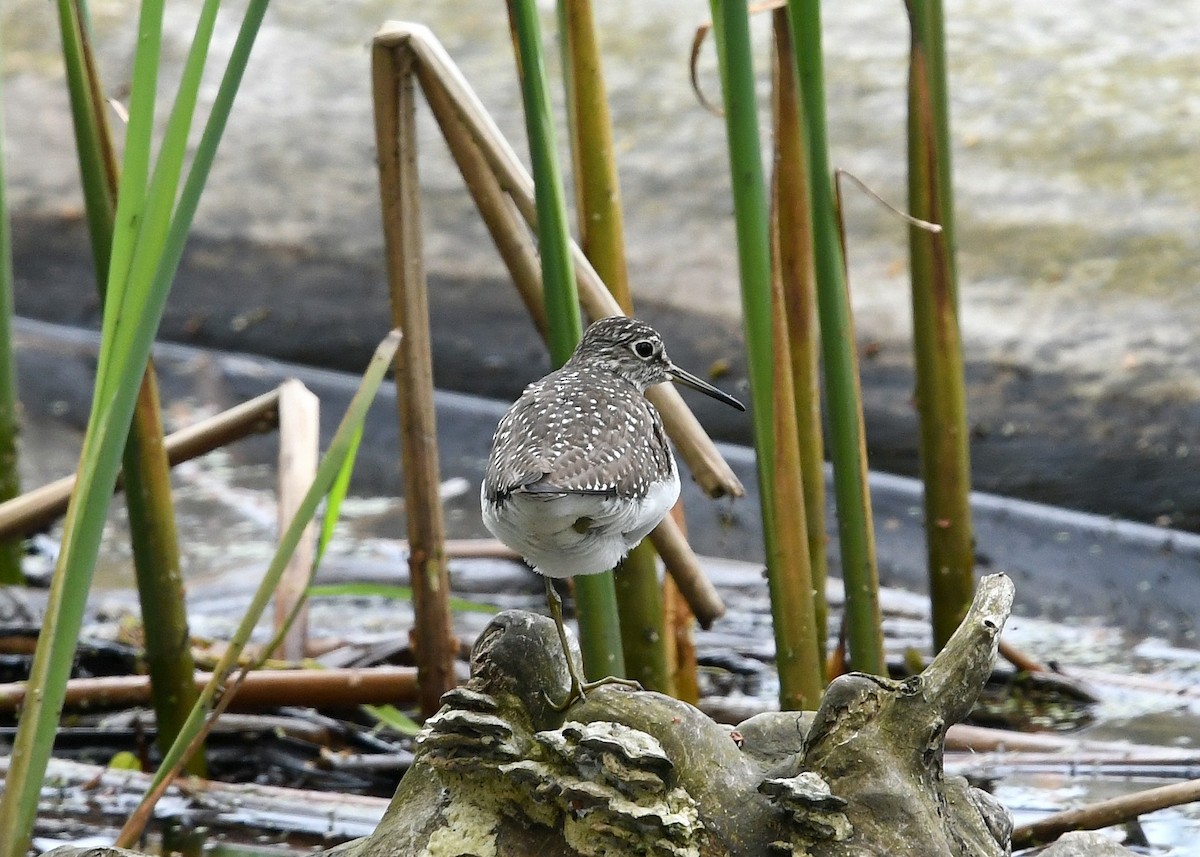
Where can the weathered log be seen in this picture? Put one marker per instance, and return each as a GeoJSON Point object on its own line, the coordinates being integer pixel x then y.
{"type": "Point", "coordinates": [498, 771]}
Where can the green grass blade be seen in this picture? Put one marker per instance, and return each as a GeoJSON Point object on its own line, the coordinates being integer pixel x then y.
{"type": "Point", "coordinates": [327, 473]}
{"type": "Point", "coordinates": [135, 333]}
{"type": "Point", "coordinates": [135, 168]}
{"type": "Point", "coordinates": [127, 334]}
{"type": "Point", "coordinates": [134, 172]}
{"type": "Point", "coordinates": [92, 135]}
{"type": "Point", "coordinates": [391, 590]}
{"type": "Point", "coordinates": [99, 462]}
{"type": "Point", "coordinates": [394, 718]}
{"type": "Point", "coordinates": [156, 217]}
{"type": "Point", "coordinates": [10, 486]}
{"type": "Point", "coordinates": [146, 469]}
{"type": "Point", "coordinates": [333, 503]}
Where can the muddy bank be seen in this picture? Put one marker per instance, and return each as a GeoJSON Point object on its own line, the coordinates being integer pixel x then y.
{"type": "Point", "coordinates": [1126, 451]}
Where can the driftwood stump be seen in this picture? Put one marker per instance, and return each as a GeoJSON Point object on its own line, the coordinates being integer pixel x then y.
{"type": "Point", "coordinates": [499, 772]}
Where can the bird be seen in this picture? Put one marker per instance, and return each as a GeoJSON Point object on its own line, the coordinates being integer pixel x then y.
{"type": "Point", "coordinates": [580, 469]}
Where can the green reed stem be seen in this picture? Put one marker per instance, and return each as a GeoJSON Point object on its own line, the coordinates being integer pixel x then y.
{"type": "Point", "coordinates": [788, 577]}
{"type": "Point", "coordinates": [146, 469]}
{"type": "Point", "coordinates": [937, 339]}
{"type": "Point", "coordinates": [602, 237]}
{"type": "Point", "coordinates": [838, 348]}
{"type": "Point", "coordinates": [792, 234]}
{"type": "Point", "coordinates": [595, 594]}
{"type": "Point", "coordinates": [133, 309]}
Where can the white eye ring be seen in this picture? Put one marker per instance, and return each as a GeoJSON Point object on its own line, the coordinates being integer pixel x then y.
{"type": "Point", "coordinates": [643, 348]}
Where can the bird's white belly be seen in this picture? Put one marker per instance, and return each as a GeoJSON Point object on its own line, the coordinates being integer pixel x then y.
{"type": "Point", "coordinates": [562, 535]}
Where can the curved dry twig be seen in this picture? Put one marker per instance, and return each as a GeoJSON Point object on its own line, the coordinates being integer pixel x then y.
{"type": "Point", "coordinates": [840, 173]}
{"type": "Point", "coordinates": [698, 42]}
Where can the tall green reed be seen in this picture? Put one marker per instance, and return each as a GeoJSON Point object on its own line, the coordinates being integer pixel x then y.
{"type": "Point", "coordinates": [793, 258]}
{"type": "Point", "coordinates": [937, 339]}
{"type": "Point", "coordinates": [146, 471]}
{"type": "Point", "coordinates": [847, 441]}
{"type": "Point", "coordinates": [596, 600]}
{"type": "Point", "coordinates": [788, 568]}
{"type": "Point", "coordinates": [601, 235]}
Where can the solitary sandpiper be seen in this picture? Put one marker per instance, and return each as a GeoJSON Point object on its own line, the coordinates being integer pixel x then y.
{"type": "Point", "coordinates": [580, 470]}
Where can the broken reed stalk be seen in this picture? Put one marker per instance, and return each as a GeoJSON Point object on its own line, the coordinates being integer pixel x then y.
{"type": "Point", "coordinates": [37, 509]}
{"type": "Point", "coordinates": [680, 623]}
{"type": "Point", "coordinates": [299, 451]}
{"type": "Point", "coordinates": [1105, 813]}
{"type": "Point", "coordinates": [843, 394]}
{"type": "Point", "coordinates": [937, 339]}
{"type": "Point", "coordinates": [801, 673]}
{"type": "Point", "coordinates": [145, 468]}
{"type": "Point", "coordinates": [792, 232]}
{"type": "Point", "coordinates": [438, 72]}
{"type": "Point", "coordinates": [595, 594]}
{"type": "Point", "coordinates": [477, 148]}
{"type": "Point", "coordinates": [601, 235]}
{"type": "Point", "coordinates": [500, 215]}
{"type": "Point", "coordinates": [10, 477]}
{"type": "Point", "coordinates": [315, 688]}
{"type": "Point", "coordinates": [684, 567]}
{"type": "Point", "coordinates": [396, 143]}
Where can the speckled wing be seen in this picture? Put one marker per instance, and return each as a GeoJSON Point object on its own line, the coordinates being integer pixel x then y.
{"type": "Point", "coordinates": [580, 432]}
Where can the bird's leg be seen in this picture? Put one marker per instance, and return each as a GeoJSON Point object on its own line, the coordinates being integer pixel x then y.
{"type": "Point", "coordinates": [578, 688]}
{"type": "Point", "coordinates": [554, 602]}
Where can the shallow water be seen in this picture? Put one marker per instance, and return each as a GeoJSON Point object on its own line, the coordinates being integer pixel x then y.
{"type": "Point", "coordinates": [1150, 690]}
{"type": "Point", "coordinates": [1170, 832]}
{"type": "Point", "coordinates": [1073, 125]}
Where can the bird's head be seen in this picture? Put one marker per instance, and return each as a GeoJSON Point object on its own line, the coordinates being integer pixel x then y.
{"type": "Point", "coordinates": [633, 350]}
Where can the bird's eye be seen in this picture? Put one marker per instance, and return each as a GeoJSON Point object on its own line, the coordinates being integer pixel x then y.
{"type": "Point", "coordinates": [643, 348]}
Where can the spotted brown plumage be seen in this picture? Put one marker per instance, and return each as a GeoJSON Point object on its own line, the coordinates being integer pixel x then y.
{"type": "Point", "coordinates": [580, 469]}
{"type": "Point", "coordinates": [580, 429]}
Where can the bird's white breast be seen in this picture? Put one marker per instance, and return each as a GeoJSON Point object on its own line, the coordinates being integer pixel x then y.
{"type": "Point", "coordinates": [565, 534]}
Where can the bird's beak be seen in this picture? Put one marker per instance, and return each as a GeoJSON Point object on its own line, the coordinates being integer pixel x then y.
{"type": "Point", "coordinates": [681, 376]}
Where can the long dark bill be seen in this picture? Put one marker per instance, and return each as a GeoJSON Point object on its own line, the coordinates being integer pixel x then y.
{"type": "Point", "coordinates": [686, 378]}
